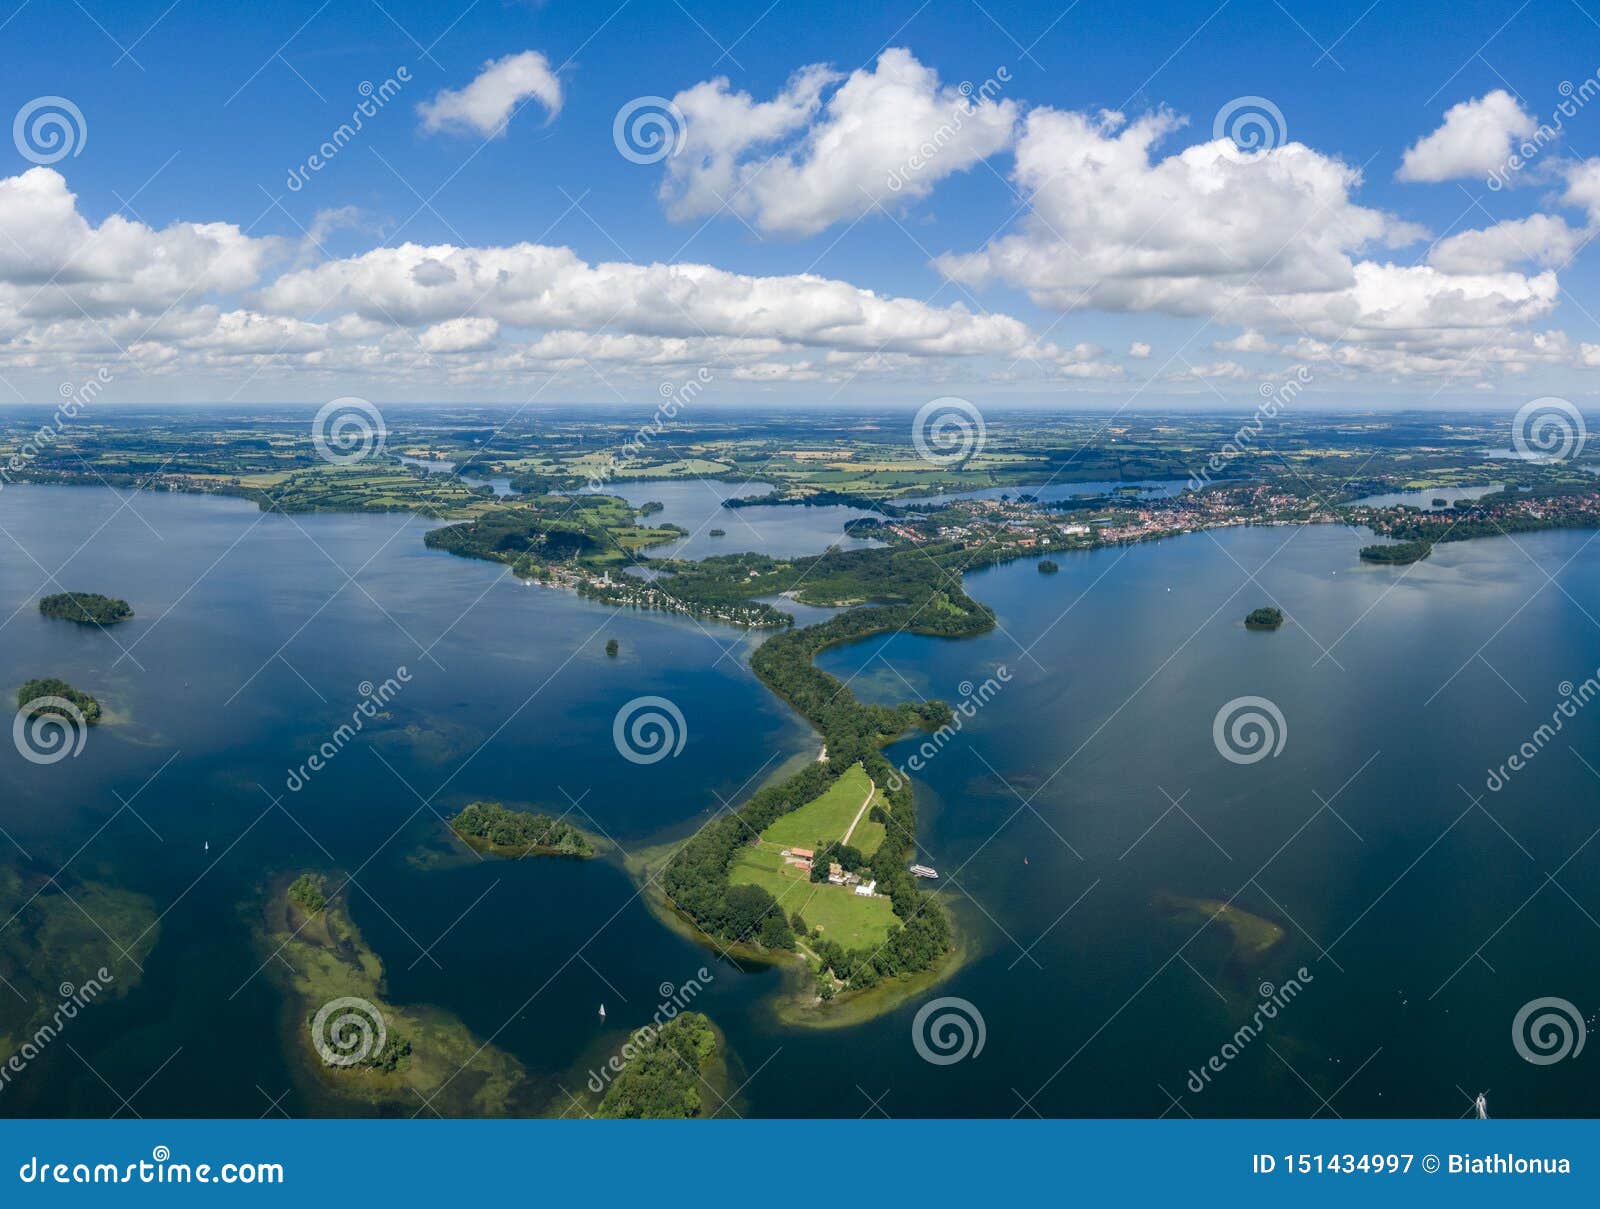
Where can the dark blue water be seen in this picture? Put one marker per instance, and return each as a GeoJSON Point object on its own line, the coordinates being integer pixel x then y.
{"type": "Point", "coordinates": [1398, 691]}
{"type": "Point", "coordinates": [1423, 920]}
{"type": "Point", "coordinates": [252, 636]}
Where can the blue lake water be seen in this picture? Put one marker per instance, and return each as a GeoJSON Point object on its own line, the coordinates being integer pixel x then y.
{"type": "Point", "coordinates": [1425, 499]}
{"type": "Point", "coordinates": [1424, 919]}
{"type": "Point", "coordinates": [1050, 492]}
{"type": "Point", "coordinates": [779, 530]}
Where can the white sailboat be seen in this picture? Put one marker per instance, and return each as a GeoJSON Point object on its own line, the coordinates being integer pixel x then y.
{"type": "Point", "coordinates": [602, 1011]}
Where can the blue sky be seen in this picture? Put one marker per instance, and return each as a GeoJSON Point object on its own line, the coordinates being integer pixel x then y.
{"type": "Point", "coordinates": [195, 114]}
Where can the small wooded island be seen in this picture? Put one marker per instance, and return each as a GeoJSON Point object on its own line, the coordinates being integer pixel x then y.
{"type": "Point", "coordinates": [1396, 553]}
{"type": "Point", "coordinates": [46, 687]}
{"type": "Point", "coordinates": [1264, 618]}
{"type": "Point", "coordinates": [664, 1077]}
{"type": "Point", "coordinates": [1047, 567]}
{"type": "Point", "coordinates": [490, 827]}
{"type": "Point", "coordinates": [86, 608]}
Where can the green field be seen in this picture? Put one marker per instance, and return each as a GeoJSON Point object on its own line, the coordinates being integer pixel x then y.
{"type": "Point", "coordinates": [844, 916]}
{"type": "Point", "coordinates": [827, 818]}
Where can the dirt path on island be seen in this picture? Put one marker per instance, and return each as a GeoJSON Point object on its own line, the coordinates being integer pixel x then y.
{"type": "Point", "coordinates": [871, 793]}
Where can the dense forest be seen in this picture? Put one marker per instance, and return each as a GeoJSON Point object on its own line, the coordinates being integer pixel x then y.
{"type": "Point", "coordinates": [492, 824]}
{"type": "Point", "coordinates": [309, 893]}
{"type": "Point", "coordinates": [1264, 618]}
{"type": "Point", "coordinates": [663, 1077]}
{"type": "Point", "coordinates": [86, 608]}
{"type": "Point", "coordinates": [1396, 553]}
{"type": "Point", "coordinates": [46, 687]}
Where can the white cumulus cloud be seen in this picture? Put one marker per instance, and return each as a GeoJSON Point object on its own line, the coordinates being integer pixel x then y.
{"type": "Point", "coordinates": [803, 161]}
{"type": "Point", "coordinates": [485, 106]}
{"type": "Point", "coordinates": [1474, 139]}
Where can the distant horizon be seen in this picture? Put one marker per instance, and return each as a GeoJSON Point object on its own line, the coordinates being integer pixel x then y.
{"type": "Point", "coordinates": [1243, 407]}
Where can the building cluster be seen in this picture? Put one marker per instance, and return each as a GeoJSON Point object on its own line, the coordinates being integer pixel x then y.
{"type": "Point", "coordinates": [804, 859]}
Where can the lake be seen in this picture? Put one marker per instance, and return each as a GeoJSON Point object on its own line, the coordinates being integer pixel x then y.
{"type": "Point", "coordinates": [780, 530]}
{"type": "Point", "coordinates": [1084, 792]}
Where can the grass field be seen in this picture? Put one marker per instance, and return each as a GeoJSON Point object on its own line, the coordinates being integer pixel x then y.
{"type": "Point", "coordinates": [828, 817]}
{"type": "Point", "coordinates": [844, 916]}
